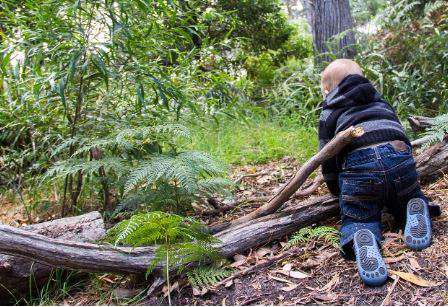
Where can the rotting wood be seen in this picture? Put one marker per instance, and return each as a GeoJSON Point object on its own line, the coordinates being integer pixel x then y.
{"type": "Point", "coordinates": [15, 271]}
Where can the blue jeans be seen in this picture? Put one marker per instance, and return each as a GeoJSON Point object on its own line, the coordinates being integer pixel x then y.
{"type": "Point", "coordinates": [373, 179]}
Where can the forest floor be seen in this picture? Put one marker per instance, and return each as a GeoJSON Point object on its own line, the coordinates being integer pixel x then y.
{"type": "Point", "coordinates": [318, 275]}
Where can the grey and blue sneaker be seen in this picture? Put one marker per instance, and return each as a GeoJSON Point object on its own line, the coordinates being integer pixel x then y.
{"type": "Point", "coordinates": [371, 266]}
{"type": "Point", "coordinates": [417, 233]}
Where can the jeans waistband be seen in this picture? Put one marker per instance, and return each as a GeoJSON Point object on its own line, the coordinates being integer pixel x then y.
{"type": "Point", "coordinates": [373, 150]}
{"type": "Point", "coordinates": [396, 144]}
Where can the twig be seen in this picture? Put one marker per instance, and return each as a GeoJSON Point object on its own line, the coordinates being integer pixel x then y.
{"type": "Point", "coordinates": [317, 182]}
{"type": "Point", "coordinates": [239, 179]}
{"type": "Point", "coordinates": [419, 142]}
{"type": "Point", "coordinates": [386, 300]}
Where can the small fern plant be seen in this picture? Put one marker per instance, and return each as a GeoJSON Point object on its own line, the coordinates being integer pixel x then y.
{"type": "Point", "coordinates": [174, 181]}
{"type": "Point", "coordinates": [438, 129]}
{"type": "Point", "coordinates": [179, 240]}
{"type": "Point", "coordinates": [205, 276]}
{"type": "Point", "coordinates": [307, 234]}
{"type": "Point", "coordinates": [145, 166]}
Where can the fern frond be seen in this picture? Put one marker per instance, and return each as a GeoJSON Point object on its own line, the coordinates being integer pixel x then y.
{"type": "Point", "coordinates": [173, 130]}
{"type": "Point", "coordinates": [431, 8]}
{"type": "Point", "coordinates": [65, 145]}
{"type": "Point", "coordinates": [207, 276]}
{"type": "Point", "coordinates": [438, 130]}
{"type": "Point", "coordinates": [185, 169]}
{"type": "Point", "coordinates": [306, 234]}
{"type": "Point", "coordinates": [70, 167]}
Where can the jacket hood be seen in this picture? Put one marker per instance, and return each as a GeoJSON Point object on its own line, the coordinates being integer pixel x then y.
{"type": "Point", "coordinates": [353, 90]}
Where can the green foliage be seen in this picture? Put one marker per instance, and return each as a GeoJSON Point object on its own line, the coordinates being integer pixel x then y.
{"type": "Point", "coordinates": [408, 57]}
{"type": "Point", "coordinates": [255, 139]}
{"type": "Point", "coordinates": [179, 240]}
{"type": "Point", "coordinates": [59, 286]}
{"type": "Point", "coordinates": [438, 130]}
{"type": "Point", "coordinates": [206, 276]}
{"type": "Point", "coordinates": [307, 234]}
{"type": "Point", "coordinates": [144, 163]}
{"type": "Point", "coordinates": [88, 87]}
{"type": "Point", "coordinates": [364, 11]}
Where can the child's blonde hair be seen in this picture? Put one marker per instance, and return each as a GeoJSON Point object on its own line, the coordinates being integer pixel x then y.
{"type": "Point", "coordinates": [336, 71]}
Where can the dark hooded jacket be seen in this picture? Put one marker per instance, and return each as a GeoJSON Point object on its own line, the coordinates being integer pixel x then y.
{"type": "Point", "coordinates": [355, 102]}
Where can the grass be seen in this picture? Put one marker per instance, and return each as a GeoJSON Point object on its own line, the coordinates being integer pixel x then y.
{"type": "Point", "coordinates": [255, 141]}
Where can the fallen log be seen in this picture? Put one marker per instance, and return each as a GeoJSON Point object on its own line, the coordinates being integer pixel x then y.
{"type": "Point", "coordinates": [16, 271]}
{"type": "Point", "coordinates": [104, 258]}
{"type": "Point", "coordinates": [433, 162]}
{"type": "Point", "coordinates": [237, 239]}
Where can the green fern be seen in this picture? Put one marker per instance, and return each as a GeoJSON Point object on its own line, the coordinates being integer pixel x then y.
{"type": "Point", "coordinates": [438, 130]}
{"type": "Point", "coordinates": [431, 8]}
{"type": "Point", "coordinates": [180, 240]}
{"type": "Point", "coordinates": [206, 276]}
{"type": "Point", "coordinates": [70, 167]}
{"type": "Point", "coordinates": [184, 170]}
{"type": "Point", "coordinates": [150, 178]}
{"type": "Point", "coordinates": [304, 235]}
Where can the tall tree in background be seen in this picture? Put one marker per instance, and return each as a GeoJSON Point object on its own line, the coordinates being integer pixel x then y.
{"type": "Point", "coordinates": [330, 22]}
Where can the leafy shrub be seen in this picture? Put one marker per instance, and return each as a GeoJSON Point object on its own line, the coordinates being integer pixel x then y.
{"type": "Point", "coordinates": [408, 57]}
{"type": "Point", "coordinates": [144, 163]}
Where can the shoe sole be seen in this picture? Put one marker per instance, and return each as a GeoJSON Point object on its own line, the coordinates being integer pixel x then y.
{"type": "Point", "coordinates": [371, 266]}
{"type": "Point", "coordinates": [417, 232]}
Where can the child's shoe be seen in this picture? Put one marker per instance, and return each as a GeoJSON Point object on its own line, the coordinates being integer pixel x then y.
{"type": "Point", "coordinates": [371, 266]}
{"type": "Point", "coordinates": [417, 233]}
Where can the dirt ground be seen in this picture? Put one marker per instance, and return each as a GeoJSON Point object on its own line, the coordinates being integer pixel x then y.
{"type": "Point", "coordinates": [416, 278]}
{"type": "Point", "coordinates": [321, 276]}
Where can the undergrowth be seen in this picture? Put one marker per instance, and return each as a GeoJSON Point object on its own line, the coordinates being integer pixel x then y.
{"type": "Point", "coordinates": [204, 276]}
{"type": "Point", "coordinates": [308, 234]}
{"type": "Point", "coordinates": [255, 140]}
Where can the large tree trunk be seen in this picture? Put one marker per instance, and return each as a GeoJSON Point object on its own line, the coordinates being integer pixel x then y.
{"type": "Point", "coordinates": [15, 271]}
{"type": "Point", "coordinates": [329, 18]}
{"type": "Point", "coordinates": [50, 249]}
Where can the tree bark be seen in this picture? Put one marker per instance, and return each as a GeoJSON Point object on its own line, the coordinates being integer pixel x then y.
{"type": "Point", "coordinates": [328, 19]}
{"type": "Point", "coordinates": [433, 162]}
{"type": "Point", "coordinates": [420, 123]}
{"type": "Point", "coordinates": [15, 271]}
{"type": "Point", "coordinates": [104, 258]}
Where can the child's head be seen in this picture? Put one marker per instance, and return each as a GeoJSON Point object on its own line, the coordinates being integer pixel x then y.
{"type": "Point", "coordinates": [336, 71]}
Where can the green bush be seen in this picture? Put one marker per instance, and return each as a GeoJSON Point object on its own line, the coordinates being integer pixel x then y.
{"type": "Point", "coordinates": [408, 58]}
